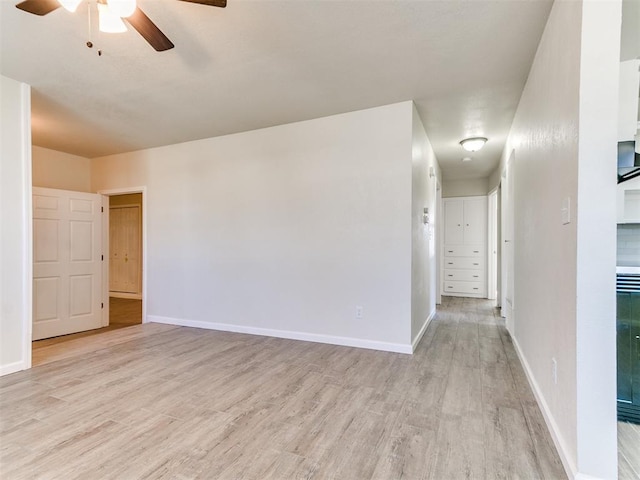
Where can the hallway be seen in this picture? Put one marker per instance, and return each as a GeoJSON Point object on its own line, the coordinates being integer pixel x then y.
{"type": "Point", "coordinates": [176, 402]}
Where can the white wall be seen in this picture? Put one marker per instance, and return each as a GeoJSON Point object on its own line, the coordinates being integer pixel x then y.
{"type": "Point", "coordinates": [494, 179]}
{"type": "Point", "coordinates": [596, 256]}
{"type": "Point", "coordinates": [630, 37]}
{"type": "Point", "coordinates": [465, 188]}
{"type": "Point", "coordinates": [283, 230]}
{"type": "Point", "coordinates": [15, 225]}
{"type": "Point", "coordinates": [628, 245]}
{"type": "Point", "coordinates": [423, 256]}
{"type": "Point", "coordinates": [628, 112]}
{"type": "Point", "coordinates": [53, 169]}
{"type": "Point", "coordinates": [565, 147]}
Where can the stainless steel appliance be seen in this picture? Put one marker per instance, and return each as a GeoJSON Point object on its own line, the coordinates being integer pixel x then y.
{"type": "Point", "coordinates": [628, 343]}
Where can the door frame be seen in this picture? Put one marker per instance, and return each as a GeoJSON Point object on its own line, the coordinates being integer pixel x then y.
{"type": "Point", "coordinates": [439, 226]}
{"type": "Point", "coordinates": [492, 244]}
{"type": "Point", "coordinates": [507, 282]}
{"type": "Point", "coordinates": [105, 233]}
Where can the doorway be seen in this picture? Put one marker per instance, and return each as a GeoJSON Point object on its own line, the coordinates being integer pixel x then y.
{"type": "Point", "coordinates": [120, 312]}
{"type": "Point", "coordinates": [125, 259]}
{"type": "Point", "coordinates": [126, 235]}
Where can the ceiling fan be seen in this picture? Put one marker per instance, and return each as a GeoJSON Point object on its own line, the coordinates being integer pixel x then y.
{"type": "Point", "coordinates": [126, 10]}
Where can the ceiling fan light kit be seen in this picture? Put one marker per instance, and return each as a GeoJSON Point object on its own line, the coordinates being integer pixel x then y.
{"type": "Point", "coordinates": [108, 21]}
{"type": "Point", "coordinates": [473, 144]}
{"type": "Point", "coordinates": [70, 5]}
{"type": "Point", "coordinates": [122, 8]}
{"type": "Point", "coordinates": [110, 15]}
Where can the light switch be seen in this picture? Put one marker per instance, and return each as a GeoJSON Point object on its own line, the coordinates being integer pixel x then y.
{"type": "Point", "coordinates": [566, 211]}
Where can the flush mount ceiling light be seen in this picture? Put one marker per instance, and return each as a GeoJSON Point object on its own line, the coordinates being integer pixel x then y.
{"type": "Point", "coordinates": [473, 144]}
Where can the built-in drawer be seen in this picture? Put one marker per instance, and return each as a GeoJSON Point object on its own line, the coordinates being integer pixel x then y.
{"type": "Point", "coordinates": [464, 287]}
{"type": "Point", "coordinates": [467, 263]}
{"type": "Point", "coordinates": [463, 251]}
{"type": "Point", "coordinates": [464, 275]}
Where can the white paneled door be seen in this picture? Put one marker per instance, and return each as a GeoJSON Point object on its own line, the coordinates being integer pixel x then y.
{"type": "Point", "coordinates": [67, 262]}
{"type": "Point", "coordinates": [453, 221]}
{"type": "Point", "coordinates": [124, 246]}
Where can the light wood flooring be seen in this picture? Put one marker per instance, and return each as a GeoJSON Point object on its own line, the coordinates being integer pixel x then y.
{"type": "Point", "coordinates": [164, 402]}
{"type": "Point", "coordinates": [628, 451]}
{"type": "Point", "coordinates": [123, 313]}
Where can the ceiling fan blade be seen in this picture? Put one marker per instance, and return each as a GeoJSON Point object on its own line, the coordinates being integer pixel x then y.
{"type": "Point", "coordinates": [211, 3]}
{"type": "Point", "coordinates": [149, 31]}
{"type": "Point", "coordinates": [38, 7]}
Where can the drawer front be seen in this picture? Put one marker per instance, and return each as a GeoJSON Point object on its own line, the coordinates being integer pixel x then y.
{"type": "Point", "coordinates": [464, 287]}
{"type": "Point", "coordinates": [467, 263]}
{"type": "Point", "coordinates": [463, 251]}
{"type": "Point", "coordinates": [464, 275]}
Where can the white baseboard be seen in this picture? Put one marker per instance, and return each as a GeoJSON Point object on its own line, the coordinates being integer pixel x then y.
{"type": "Point", "coordinates": [132, 296]}
{"type": "Point", "coordinates": [420, 334]}
{"type": "Point", "coordinates": [268, 332]}
{"type": "Point", "coordinates": [569, 465]}
{"type": "Point", "coordinates": [12, 368]}
{"type": "Point", "coordinates": [464, 295]}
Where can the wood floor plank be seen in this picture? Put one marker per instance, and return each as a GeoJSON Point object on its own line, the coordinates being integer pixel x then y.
{"type": "Point", "coordinates": [509, 449]}
{"type": "Point", "coordinates": [291, 466]}
{"type": "Point", "coordinates": [625, 469]}
{"type": "Point", "coordinates": [548, 460]}
{"type": "Point", "coordinates": [165, 402]}
{"type": "Point", "coordinates": [629, 450]}
{"type": "Point", "coordinates": [459, 452]}
{"type": "Point", "coordinates": [406, 453]}
{"type": "Point", "coordinates": [464, 391]}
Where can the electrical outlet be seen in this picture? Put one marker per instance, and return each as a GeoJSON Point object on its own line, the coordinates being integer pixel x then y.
{"type": "Point", "coordinates": [554, 370]}
{"type": "Point", "coordinates": [358, 311]}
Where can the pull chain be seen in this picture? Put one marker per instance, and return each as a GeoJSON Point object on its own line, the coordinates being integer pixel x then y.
{"type": "Point", "coordinates": [89, 29]}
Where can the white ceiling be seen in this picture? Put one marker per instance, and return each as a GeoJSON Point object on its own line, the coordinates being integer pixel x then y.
{"type": "Point", "coordinates": [263, 63]}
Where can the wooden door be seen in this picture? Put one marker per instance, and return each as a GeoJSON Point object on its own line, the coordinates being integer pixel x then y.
{"type": "Point", "coordinates": [124, 246]}
{"type": "Point", "coordinates": [475, 221]}
{"type": "Point", "coordinates": [453, 218]}
{"type": "Point", "coordinates": [67, 262]}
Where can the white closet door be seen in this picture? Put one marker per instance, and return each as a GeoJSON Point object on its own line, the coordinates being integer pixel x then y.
{"type": "Point", "coordinates": [124, 246]}
{"type": "Point", "coordinates": [475, 221]}
{"type": "Point", "coordinates": [67, 263]}
{"type": "Point", "coordinates": [453, 222]}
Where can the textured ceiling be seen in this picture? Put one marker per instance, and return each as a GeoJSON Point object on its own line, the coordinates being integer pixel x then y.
{"type": "Point", "coordinates": [263, 63]}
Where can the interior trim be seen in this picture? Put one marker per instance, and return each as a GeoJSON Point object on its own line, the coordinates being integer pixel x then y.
{"type": "Point", "coordinates": [569, 466]}
{"type": "Point", "coordinates": [268, 332]}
